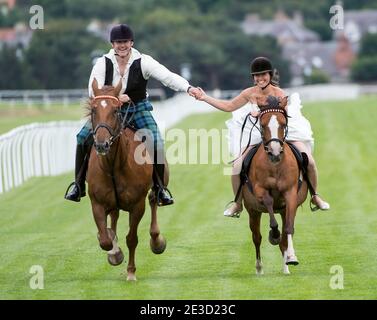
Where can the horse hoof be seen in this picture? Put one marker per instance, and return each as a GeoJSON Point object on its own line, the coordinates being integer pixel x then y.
{"type": "Point", "coordinates": [272, 240]}
{"type": "Point", "coordinates": [286, 272]}
{"type": "Point", "coordinates": [259, 272]}
{"type": "Point", "coordinates": [158, 246]}
{"type": "Point", "coordinates": [131, 277]}
{"type": "Point", "coordinates": [291, 260]}
{"type": "Point", "coordinates": [115, 259]}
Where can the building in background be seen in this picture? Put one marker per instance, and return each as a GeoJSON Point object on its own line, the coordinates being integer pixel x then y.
{"type": "Point", "coordinates": [304, 49]}
{"type": "Point", "coordinates": [283, 28]}
{"type": "Point", "coordinates": [17, 37]}
{"type": "Point", "coordinates": [6, 6]}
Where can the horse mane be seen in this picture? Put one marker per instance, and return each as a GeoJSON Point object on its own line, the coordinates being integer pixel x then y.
{"type": "Point", "coordinates": [272, 102]}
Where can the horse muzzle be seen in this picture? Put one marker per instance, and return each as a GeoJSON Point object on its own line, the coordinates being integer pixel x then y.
{"type": "Point", "coordinates": [274, 158]}
{"type": "Point", "coordinates": [274, 149]}
{"type": "Point", "coordinates": [102, 148]}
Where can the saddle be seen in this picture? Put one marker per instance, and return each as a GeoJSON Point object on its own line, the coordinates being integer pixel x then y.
{"type": "Point", "coordinates": [301, 158]}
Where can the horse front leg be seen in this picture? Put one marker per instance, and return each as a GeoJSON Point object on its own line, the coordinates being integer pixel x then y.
{"type": "Point", "coordinates": [274, 236]}
{"type": "Point", "coordinates": [114, 216]}
{"type": "Point", "coordinates": [254, 224]}
{"type": "Point", "coordinates": [157, 242]}
{"type": "Point", "coordinates": [135, 215]}
{"type": "Point", "coordinates": [290, 214]}
{"type": "Point", "coordinates": [284, 244]}
{"type": "Point", "coordinates": [100, 218]}
{"type": "Point", "coordinates": [115, 256]}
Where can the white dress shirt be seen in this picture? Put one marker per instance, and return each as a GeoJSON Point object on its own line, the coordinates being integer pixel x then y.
{"type": "Point", "coordinates": [149, 67]}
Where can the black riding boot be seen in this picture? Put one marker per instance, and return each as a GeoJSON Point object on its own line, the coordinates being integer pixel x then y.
{"type": "Point", "coordinates": [163, 195]}
{"type": "Point", "coordinates": [81, 165]}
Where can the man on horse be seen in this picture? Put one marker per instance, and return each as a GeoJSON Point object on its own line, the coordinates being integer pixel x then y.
{"type": "Point", "coordinates": [126, 64]}
{"type": "Point", "coordinates": [299, 133]}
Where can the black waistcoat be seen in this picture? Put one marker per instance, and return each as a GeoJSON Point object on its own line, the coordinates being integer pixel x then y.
{"type": "Point", "coordinates": [136, 85]}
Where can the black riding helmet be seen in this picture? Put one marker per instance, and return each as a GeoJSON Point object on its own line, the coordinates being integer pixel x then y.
{"type": "Point", "coordinates": [261, 65]}
{"type": "Point", "coordinates": [121, 32]}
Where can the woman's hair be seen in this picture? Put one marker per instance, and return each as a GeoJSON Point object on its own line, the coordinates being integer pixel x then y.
{"type": "Point", "coordinates": [275, 78]}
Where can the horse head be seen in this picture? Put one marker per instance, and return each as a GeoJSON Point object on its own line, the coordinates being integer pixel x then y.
{"type": "Point", "coordinates": [273, 120]}
{"type": "Point", "coordinates": [105, 116]}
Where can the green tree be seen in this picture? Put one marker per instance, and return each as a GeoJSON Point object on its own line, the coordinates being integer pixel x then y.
{"type": "Point", "coordinates": [364, 69]}
{"type": "Point", "coordinates": [218, 52]}
{"type": "Point", "coordinates": [12, 70]}
{"type": "Point", "coordinates": [59, 55]}
{"type": "Point", "coordinates": [317, 76]}
{"type": "Point", "coordinates": [368, 45]}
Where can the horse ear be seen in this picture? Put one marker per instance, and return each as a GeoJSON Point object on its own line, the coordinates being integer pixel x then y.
{"type": "Point", "coordinates": [118, 88]}
{"type": "Point", "coordinates": [95, 88]}
{"type": "Point", "coordinates": [283, 102]}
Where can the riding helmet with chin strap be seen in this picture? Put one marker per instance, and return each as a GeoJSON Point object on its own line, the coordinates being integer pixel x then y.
{"type": "Point", "coordinates": [262, 65]}
{"type": "Point", "coordinates": [121, 32]}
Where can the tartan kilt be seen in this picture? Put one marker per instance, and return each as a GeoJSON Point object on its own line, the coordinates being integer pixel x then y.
{"type": "Point", "coordinates": [85, 137]}
{"type": "Point", "coordinates": [145, 120]}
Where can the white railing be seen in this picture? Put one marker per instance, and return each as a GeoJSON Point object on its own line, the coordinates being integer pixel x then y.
{"type": "Point", "coordinates": [38, 149]}
{"type": "Point", "coordinates": [57, 96]}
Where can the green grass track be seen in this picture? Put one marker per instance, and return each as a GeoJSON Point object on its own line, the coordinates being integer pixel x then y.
{"type": "Point", "coordinates": [208, 256]}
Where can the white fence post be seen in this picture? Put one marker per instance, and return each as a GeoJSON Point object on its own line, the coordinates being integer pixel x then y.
{"type": "Point", "coordinates": [37, 149]}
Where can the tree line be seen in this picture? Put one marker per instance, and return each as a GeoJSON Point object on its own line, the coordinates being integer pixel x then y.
{"type": "Point", "coordinates": [202, 35]}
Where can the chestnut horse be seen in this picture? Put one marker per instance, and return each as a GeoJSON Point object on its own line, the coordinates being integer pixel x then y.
{"type": "Point", "coordinates": [116, 181]}
{"type": "Point", "coordinates": [274, 176]}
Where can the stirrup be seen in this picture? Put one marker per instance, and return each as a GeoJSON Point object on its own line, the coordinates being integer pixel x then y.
{"type": "Point", "coordinates": [315, 207]}
{"type": "Point", "coordinates": [74, 183]}
{"type": "Point", "coordinates": [158, 197]}
{"type": "Point", "coordinates": [235, 214]}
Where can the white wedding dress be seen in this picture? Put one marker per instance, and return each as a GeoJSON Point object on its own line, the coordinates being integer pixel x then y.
{"type": "Point", "coordinates": [299, 128]}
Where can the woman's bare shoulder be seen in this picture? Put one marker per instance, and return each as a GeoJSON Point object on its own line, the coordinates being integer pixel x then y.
{"type": "Point", "coordinates": [247, 92]}
{"type": "Point", "coordinates": [253, 94]}
{"type": "Point", "coordinates": [278, 92]}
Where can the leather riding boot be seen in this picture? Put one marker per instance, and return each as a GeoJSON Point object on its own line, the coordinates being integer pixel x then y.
{"type": "Point", "coordinates": [81, 166]}
{"type": "Point", "coordinates": [318, 203]}
{"type": "Point", "coordinates": [234, 208]}
{"type": "Point", "coordinates": [163, 195]}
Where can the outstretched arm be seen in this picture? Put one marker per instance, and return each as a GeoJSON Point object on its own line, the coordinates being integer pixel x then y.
{"type": "Point", "coordinates": [224, 105]}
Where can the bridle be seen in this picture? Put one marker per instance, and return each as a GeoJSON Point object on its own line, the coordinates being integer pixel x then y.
{"type": "Point", "coordinates": [281, 142]}
{"type": "Point", "coordinates": [114, 134]}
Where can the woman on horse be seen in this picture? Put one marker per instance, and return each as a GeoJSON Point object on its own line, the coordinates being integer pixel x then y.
{"type": "Point", "coordinates": [126, 64]}
{"type": "Point", "coordinates": [299, 133]}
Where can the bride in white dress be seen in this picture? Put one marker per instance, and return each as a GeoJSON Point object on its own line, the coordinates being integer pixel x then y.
{"type": "Point", "coordinates": [299, 129]}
